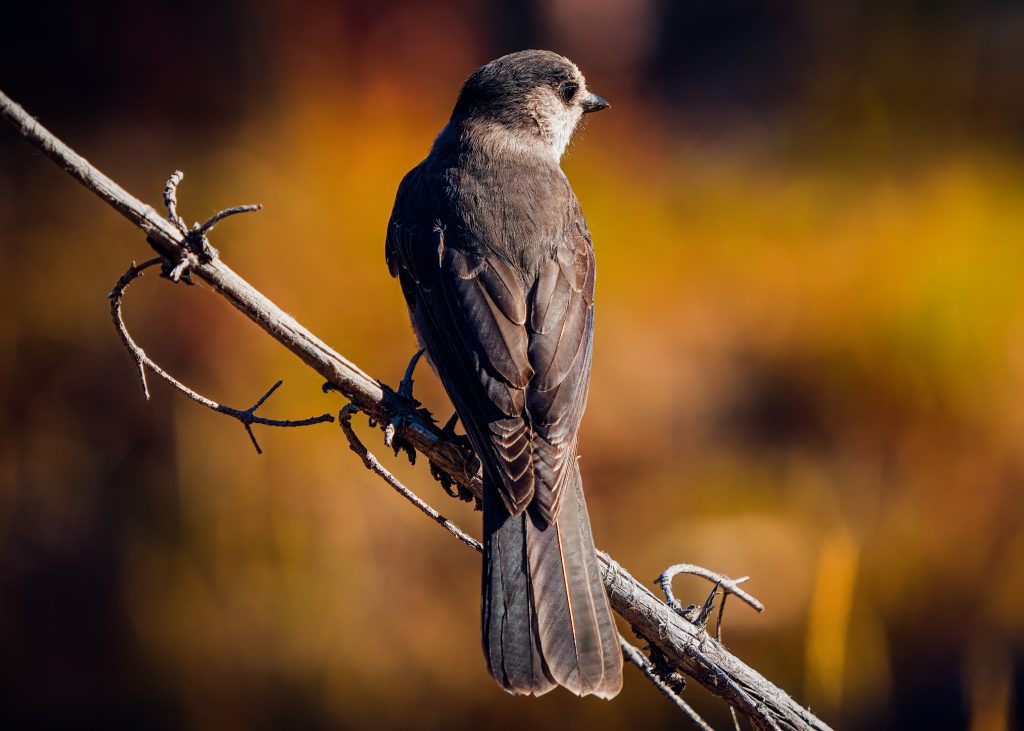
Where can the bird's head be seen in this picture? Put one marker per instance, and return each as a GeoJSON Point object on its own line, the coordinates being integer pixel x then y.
{"type": "Point", "coordinates": [538, 97]}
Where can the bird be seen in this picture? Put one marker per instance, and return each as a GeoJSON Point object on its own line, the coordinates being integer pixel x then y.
{"type": "Point", "coordinates": [496, 264]}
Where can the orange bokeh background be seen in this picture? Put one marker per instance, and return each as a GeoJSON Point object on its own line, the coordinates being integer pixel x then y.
{"type": "Point", "coordinates": [808, 366]}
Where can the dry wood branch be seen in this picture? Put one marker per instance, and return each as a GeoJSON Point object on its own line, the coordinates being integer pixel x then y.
{"type": "Point", "coordinates": [374, 465]}
{"type": "Point", "coordinates": [688, 646]}
{"type": "Point", "coordinates": [636, 657]}
{"type": "Point", "coordinates": [730, 586]}
{"type": "Point", "coordinates": [246, 417]}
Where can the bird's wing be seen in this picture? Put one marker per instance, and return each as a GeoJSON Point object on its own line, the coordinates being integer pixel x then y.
{"type": "Point", "coordinates": [513, 350]}
{"type": "Point", "coordinates": [560, 329]}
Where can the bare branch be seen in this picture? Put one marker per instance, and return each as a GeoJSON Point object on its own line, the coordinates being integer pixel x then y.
{"type": "Point", "coordinates": [636, 657]}
{"type": "Point", "coordinates": [221, 215]}
{"type": "Point", "coordinates": [196, 248]}
{"type": "Point", "coordinates": [374, 465]}
{"type": "Point", "coordinates": [246, 417]}
{"type": "Point", "coordinates": [171, 200]}
{"type": "Point", "coordinates": [690, 647]}
{"type": "Point", "coordinates": [730, 586]}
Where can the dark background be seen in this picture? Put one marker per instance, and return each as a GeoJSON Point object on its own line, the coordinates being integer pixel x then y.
{"type": "Point", "coordinates": [809, 361]}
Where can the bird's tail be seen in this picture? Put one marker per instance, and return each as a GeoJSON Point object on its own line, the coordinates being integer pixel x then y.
{"type": "Point", "coordinates": [546, 618]}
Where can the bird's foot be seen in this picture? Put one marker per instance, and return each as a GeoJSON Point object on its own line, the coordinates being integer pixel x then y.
{"type": "Point", "coordinates": [452, 487]}
{"type": "Point", "coordinates": [448, 484]}
{"type": "Point", "coordinates": [665, 668]}
{"type": "Point", "coordinates": [397, 422]}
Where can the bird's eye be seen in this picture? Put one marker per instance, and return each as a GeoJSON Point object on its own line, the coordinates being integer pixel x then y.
{"type": "Point", "coordinates": [569, 91]}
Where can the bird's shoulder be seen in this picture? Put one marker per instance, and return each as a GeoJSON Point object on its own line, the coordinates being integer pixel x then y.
{"type": "Point", "coordinates": [519, 211]}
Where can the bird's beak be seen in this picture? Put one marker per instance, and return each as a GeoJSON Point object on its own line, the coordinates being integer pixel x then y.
{"type": "Point", "coordinates": [594, 103]}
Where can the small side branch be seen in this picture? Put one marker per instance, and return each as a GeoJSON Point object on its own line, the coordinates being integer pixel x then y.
{"type": "Point", "coordinates": [374, 465]}
{"type": "Point", "coordinates": [247, 417]}
{"type": "Point", "coordinates": [633, 655]}
{"type": "Point", "coordinates": [729, 586]}
{"type": "Point", "coordinates": [196, 249]}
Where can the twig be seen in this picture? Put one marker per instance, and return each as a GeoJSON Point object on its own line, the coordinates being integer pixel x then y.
{"type": "Point", "coordinates": [730, 586]}
{"type": "Point", "coordinates": [246, 417]}
{"type": "Point", "coordinates": [221, 215]}
{"type": "Point", "coordinates": [374, 465]}
{"type": "Point", "coordinates": [696, 653]}
{"type": "Point", "coordinates": [171, 200]}
{"type": "Point", "coordinates": [633, 654]}
{"type": "Point", "coordinates": [705, 611]}
{"type": "Point", "coordinates": [735, 720]}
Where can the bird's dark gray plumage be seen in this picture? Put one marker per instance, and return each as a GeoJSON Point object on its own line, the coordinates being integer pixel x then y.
{"type": "Point", "coordinates": [497, 267]}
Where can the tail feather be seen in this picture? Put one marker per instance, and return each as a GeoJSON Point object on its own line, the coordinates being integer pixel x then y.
{"type": "Point", "coordinates": [510, 643]}
{"type": "Point", "coordinates": [612, 651]}
{"type": "Point", "coordinates": [545, 608]}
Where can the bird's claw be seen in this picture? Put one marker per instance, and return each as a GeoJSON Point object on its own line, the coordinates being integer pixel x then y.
{"type": "Point", "coordinates": [394, 423]}
{"type": "Point", "coordinates": [405, 386]}
{"type": "Point", "coordinates": [448, 430]}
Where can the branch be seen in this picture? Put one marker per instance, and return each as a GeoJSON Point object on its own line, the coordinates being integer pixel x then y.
{"type": "Point", "coordinates": [636, 657]}
{"type": "Point", "coordinates": [687, 645]}
{"type": "Point", "coordinates": [374, 465]}
{"type": "Point", "coordinates": [246, 417]}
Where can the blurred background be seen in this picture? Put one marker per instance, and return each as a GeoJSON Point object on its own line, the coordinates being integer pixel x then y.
{"type": "Point", "coordinates": [808, 368]}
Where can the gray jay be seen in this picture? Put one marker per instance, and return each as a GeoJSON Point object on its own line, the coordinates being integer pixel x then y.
{"type": "Point", "coordinates": [497, 267]}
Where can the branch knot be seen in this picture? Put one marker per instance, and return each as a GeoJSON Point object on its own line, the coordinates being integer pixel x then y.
{"type": "Point", "coordinates": [196, 248]}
